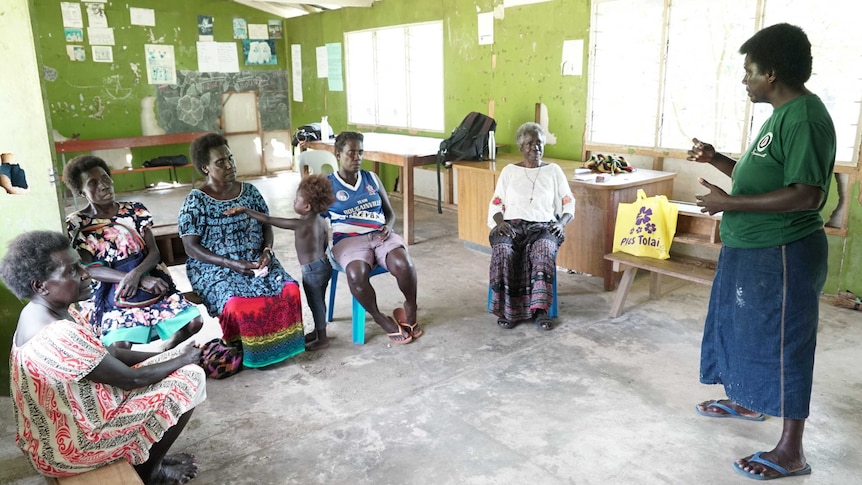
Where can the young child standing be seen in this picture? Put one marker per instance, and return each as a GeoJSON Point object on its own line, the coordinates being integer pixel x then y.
{"type": "Point", "coordinates": [313, 197]}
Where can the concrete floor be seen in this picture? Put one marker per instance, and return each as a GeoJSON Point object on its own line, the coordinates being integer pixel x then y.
{"type": "Point", "coordinates": [595, 401]}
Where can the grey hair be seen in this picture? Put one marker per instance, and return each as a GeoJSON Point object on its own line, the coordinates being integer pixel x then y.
{"type": "Point", "coordinates": [29, 259]}
{"type": "Point", "coordinates": [527, 128]}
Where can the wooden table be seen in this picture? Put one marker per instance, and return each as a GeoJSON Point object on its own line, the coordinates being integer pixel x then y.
{"type": "Point", "coordinates": [405, 152]}
{"type": "Point", "coordinates": [589, 237]}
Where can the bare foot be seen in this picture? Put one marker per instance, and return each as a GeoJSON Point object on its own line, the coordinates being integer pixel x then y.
{"type": "Point", "coordinates": [772, 464]}
{"type": "Point", "coordinates": [709, 408]}
{"type": "Point", "coordinates": [175, 470]}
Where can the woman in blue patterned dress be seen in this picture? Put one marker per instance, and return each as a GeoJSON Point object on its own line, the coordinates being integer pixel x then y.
{"type": "Point", "coordinates": [231, 264]}
{"type": "Point", "coordinates": [134, 300]}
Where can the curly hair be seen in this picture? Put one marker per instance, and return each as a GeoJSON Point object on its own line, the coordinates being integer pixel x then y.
{"type": "Point", "coordinates": [344, 137]}
{"type": "Point", "coordinates": [77, 166]}
{"type": "Point", "coordinates": [527, 128]}
{"type": "Point", "coordinates": [201, 147]}
{"type": "Point", "coordinates": [317, 190]}
{"type": "Point", "coordinates": [784, 49]}
{"type": "Point", "coordinates": [29, 259]}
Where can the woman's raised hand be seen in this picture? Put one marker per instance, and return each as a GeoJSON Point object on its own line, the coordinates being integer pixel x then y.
{"type": "Point", "coordinates": [700, 152]}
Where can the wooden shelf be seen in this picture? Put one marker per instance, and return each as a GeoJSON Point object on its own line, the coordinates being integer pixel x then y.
{"type": "Point", "coordinates": [74, 146]}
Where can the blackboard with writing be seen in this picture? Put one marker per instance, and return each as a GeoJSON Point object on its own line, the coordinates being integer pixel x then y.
{"type": "Point", "coordinates": [194, 102]}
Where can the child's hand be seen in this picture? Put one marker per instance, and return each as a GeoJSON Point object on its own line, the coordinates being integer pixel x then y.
{"type": "Point", "coordinates": [234, 210]}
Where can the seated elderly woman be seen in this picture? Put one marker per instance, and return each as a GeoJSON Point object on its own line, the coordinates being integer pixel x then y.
{"type": "Point", "coordinates": [135, 300]}
{"type": "Point", "coordinates": [528, 213]}
{"type": "Point", "coordinates": [362, 238]}
{"type": "Point", "coordinates": [77, 404]}
{"type": "Point", "coordinates": [231, 263]}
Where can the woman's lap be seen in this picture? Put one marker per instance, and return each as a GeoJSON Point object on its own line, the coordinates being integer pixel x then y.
{"type": "Point", "coordinates": [761, 326]}
{"type": "Point", "coordinates": [366, 248]}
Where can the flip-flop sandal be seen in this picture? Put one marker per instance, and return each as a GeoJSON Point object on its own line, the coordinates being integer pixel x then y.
{"type": "Point", "coordinates": [729, 412]}
{"type": "Point", "coordinates": [400, 316]}
{"type": "Point", "coordinates": [544, 322]}
{"type": "Point", "coordinates": [402, 332]}
{"type": "Point", "coordinates": [782, 472]}
{"type": "Point", "coordinates": [503, 323]}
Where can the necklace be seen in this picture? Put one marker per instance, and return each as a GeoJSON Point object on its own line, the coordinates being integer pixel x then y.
{"type": "Point", "coordinates": [532, 181]}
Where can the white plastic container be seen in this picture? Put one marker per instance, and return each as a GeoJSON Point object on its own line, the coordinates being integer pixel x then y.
{"type": "Point", "coordinates": [492, 146]}
{"type": "Point", "coordinates": [325, 129]}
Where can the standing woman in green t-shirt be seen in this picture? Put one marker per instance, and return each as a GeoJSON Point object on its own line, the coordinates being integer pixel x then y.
{"type": "Point", "coordinates": [761, 326]}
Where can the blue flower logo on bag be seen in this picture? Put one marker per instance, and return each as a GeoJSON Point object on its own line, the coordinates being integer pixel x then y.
{"type": "Point", "coordinates": [642, 222]}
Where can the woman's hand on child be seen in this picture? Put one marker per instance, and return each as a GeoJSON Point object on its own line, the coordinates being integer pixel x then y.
{"type": "Point", "coordinates": [234, 210]}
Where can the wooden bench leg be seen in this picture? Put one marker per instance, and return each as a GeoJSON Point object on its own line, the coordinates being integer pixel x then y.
{"type": "Point", "coordinates": [118, 473]}
{"type": "Point", "coordinates": [623, 291]}
{"type": "Point", "coordinates": [654, 285]}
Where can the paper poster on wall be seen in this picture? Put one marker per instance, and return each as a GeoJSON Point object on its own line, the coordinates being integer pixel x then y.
{"type": "Point", "coordinates": [96, 16]}
{"type": "Point", "coordinates": [486, 28]}
{"type": "Point", "coordinates": [259, 52]}
{"type": "Point", "coordinates": [322, 63]}
{"type": "Point", "coordinates": [573, 58]}
{"type": "Point", "coordinates": [76, 53]}
{"type": "Point", "coordinates": [258, 31]}
{"type": "Point", "coordinates": [335, 76]}
{"type": "Point", "coordinates": [296, 71]}
{"type": "Point", "coordinates": [100, 36]}
{"type": "Point", "coordinates": [71, 14]}
{"type": "Point", "coordinates": [103, 53]}
{"type": "Point", "coordinates": [274, 29]}
{"type": "Point", "coordinates": [205, 28]}
{"type": "Point", "coordinates": [217, 57]}
{"type": "Point", "coordinates": [74, 35]}
{"type": "Point", "coordinates": [161, 64]}
{"type": "Point", "coordinates": [142, 16]}
{"type": "Point", "coordinates": [240, 29]}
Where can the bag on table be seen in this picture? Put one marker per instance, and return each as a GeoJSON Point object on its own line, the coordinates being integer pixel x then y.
{"type": "Point", "coordinates": [220, 359]}
{"type": "Point", "coordinates": [646, 226]}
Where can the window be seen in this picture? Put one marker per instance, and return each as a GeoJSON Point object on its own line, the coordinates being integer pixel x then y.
{"type": "Point", "coordinates": [665, 72]}
{"type": "Point", "coordinates": [395, 76]}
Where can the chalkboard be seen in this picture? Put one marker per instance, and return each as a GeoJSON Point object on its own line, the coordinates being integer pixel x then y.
{"type": "Point", "coordinates": [194, 102]}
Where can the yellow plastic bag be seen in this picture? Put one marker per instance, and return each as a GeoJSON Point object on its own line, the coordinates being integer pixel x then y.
{"type": "Point", "coordinates": [646, 226]}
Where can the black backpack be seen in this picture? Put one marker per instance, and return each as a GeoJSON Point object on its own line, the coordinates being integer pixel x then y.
{"type": "Point", "coordinates": [167, 161]}
{"type": "Point", "coordinates": [469, 141]}
{"type": "Point", "coordinates": [309, 132]}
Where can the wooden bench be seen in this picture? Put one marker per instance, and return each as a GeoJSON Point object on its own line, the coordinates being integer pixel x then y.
{"type": "Point", "coordinates": [117, 473]}
{"type": "Point", "coordinates": [686, 268]}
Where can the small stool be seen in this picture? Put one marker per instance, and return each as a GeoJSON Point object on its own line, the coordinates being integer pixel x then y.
{"type": "Point", "coordinates": [358, 310]}
{"type": "Point", "coordinates": [117, 473]}
{"type": "Point", "coordinates": [552, 312]}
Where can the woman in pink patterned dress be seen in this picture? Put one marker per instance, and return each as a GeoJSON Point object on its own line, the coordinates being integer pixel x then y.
{"type": "Point", "coordinates": [134, 300]}
{"type": "Point", "coordinates": [79, 405]}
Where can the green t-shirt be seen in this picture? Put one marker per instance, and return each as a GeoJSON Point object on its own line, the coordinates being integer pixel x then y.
{"type": "Point", "coordinates": [796, 145]}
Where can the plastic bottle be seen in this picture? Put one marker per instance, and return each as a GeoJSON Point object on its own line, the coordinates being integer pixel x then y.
{"type": "Point", "coordinates": [492, 146]}
{"type": "Point", "coordinates": [325, 129]}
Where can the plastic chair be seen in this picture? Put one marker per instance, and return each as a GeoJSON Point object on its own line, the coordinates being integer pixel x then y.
{"type": "Point", "coordinates": [358, 317]}
{"type": "Point", "coordinates": [552, 312]}
{"type": "Point", "coordinates": [315, 160]}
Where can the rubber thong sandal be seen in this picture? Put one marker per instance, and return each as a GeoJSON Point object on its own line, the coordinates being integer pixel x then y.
{"type": "Point", "coordinates": [782, 472]}
{"type": "Point", "coordinates": [400, 316]}
{"type": "Point", "coordinates": [544, 322]}
{"type": "Point", "coordinates": [402, 332]}
{"type": "Point", "coordinates": [729, 412]}
{"type": "Point", "coordinates": [503, 323]}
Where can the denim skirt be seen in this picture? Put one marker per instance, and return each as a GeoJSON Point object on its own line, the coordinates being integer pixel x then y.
{"type": "Point", "coordinates": [761, 326]}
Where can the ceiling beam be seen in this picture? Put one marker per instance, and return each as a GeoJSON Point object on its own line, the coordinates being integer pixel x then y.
{"type": "Point", "coordinates": [286, 11]}
{"type": "Point", "coordinates": [342, 3]}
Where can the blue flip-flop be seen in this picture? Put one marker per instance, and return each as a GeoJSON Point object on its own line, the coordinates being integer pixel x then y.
{"type": "Point", "coordinates": [782, 472]}
{"type": "Point", "coordinates": [731, 413]}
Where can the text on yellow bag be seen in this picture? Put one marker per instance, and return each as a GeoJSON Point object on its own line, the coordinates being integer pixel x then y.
{"type": "Point", "coordinates": [646, 226]}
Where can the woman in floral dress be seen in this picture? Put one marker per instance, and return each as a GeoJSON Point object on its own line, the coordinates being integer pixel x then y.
{"type": "Point", "coordinates": [134, 300]}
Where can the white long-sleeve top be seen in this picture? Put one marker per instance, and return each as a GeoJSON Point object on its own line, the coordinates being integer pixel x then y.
{"type": "Point", "coordinates": [546, 185]}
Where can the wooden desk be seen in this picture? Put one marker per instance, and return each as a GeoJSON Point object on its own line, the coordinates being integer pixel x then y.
{"type": "Point", "coordinates": [404, 152]}
{"type": "Point", "coordinates": [589, 237]}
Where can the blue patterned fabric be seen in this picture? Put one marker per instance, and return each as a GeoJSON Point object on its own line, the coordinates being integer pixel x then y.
{"type": "Point", "coordinates": [236, 236]}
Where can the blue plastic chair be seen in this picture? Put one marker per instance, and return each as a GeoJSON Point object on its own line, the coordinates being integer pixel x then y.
{"type": "Point", "coordinates": [358, 310]}
{"type": "Point", "coordinates": [552, 312]}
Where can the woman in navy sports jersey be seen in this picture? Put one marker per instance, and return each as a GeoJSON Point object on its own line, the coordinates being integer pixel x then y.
{"type": "Point", "coordinates": [362, 238]}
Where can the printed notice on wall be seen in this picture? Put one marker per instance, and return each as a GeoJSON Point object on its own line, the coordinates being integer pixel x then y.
{"type": "Point", "coordinates": [217, 57]}
{"type": "Point", "coordinates": [573, 58]}
{"type": "Point", "coordinates": [322, 63]}
{"type": "Point", "coordinates": [161, 66]}
{"type": "Point", "coordinates": [71, 14]}
{"type": "Point", "coordinates": [486, 28]}
{"type": "Point", "coordinates": [103, 53]}
{"type": "Point", "coordinates": [142, 16]}
{"type": "Point", "coordinates": [258, 31]}
{"type": "Point", "coordinates": [335, 76]}
{"type": "Point", "coordinates": [96, 15]}
{"type": "Point", "coordinates": [296, 71]}
{"type": "Point", "coordinates": [100, 35]}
